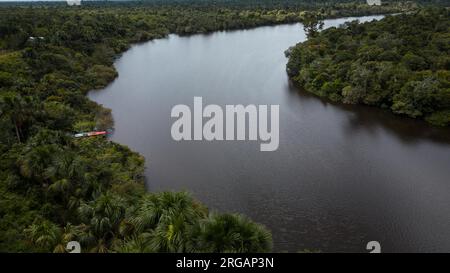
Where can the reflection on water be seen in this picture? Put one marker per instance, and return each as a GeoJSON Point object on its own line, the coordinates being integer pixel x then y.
{"type": "Point", "coordinates": [371, 119]}
{"type": "Point", "coordinates": [342, 176]}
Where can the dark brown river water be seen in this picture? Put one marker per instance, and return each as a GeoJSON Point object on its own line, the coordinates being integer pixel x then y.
{"type": "Point", "coordinates": [342, 175]}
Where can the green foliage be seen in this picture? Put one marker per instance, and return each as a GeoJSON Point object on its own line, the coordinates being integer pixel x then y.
{"type": "Point", "coordinates": [441, 118]}
{"type": "Point", "coordinates": [312, 23]}
{"type": "Point", "coordinates": [56, 189]}
{"type": "Point", "coordinates": [44, 234]}
{"type": "Point", "coordinates": [232, 233]}
{"type": "Point", "coordinates": [400, 63]}
{"type": "Point", "coordinates": [100, 75]}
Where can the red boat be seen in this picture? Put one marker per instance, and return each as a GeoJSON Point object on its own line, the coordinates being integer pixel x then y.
{"type": "Point", "coordinates": [88, 134]}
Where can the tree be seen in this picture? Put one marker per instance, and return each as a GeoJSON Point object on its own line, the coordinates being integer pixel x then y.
{"type": "Point", "coordinates": [417, 98]}
{"type": "Point", "coordinates": [312, 24]}
{"type": "Point", "coordinates": [33, 164]}
{"type": "Point", "coordinates": [169, 217]}
{"type": "Point", "coordinates": [102, 217]}
{"type": "Point", "coordinates": [231, 233]}
{"type": "Point", "coordinates": [44, 234]}
{"type": "Point", "coordinates": [17, 109]}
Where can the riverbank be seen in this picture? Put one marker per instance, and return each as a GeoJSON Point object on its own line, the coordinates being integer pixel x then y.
{"type": "Point", "coordinates": [388, 68]}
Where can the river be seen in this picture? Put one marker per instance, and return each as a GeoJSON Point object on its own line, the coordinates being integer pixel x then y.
{"type": "Point", "coordinates": [342, 175]}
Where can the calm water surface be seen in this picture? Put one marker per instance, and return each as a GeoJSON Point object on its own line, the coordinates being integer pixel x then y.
{"type": "Point", "coordinates": [342, 176]}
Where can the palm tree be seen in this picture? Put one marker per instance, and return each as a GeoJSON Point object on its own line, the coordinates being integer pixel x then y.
{"type": "Point", "coordinates": [66, 173]}
{"type": "Point", "coordinates": [136, 244]}
{"type": "Point", "coordinates": [171, 235]}
{"type": "Point", "coordinates": [67, 165]}
{"type": "Point", "coordinates": [44, 234]}
{"type": "Point", "coordinates": [69, 233]}
{"type": "Point", "coordinates": [18, 109]}
{"type": "Point", "coordinates": [164, 207]}
{"type": "Point", "coordinates": [231, 233]}
{"type": "Point", "coordinates": [103, 217]}
{"type": "Point", "coordinates": [35, 162]}
{"type": "Point", "coordinates": [168, 216]}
